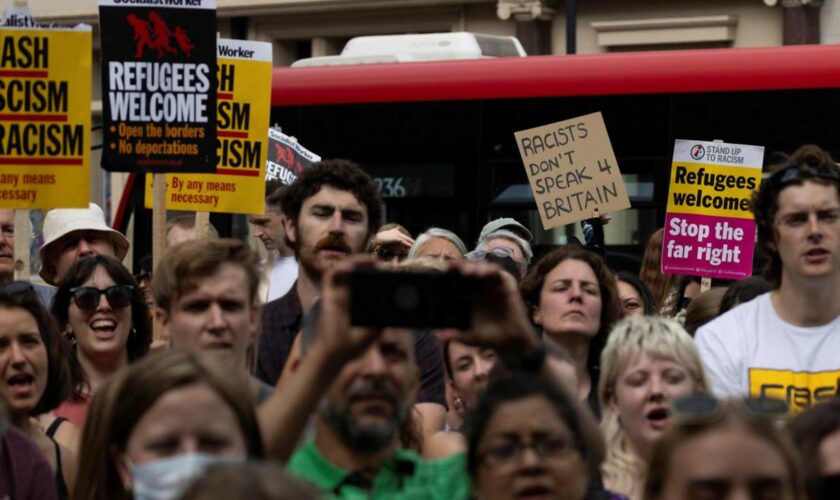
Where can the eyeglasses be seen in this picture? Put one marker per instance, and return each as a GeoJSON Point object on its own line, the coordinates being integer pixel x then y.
{"type": "Point", "coordinates": [701, 406]}
{"type": "Point", "coordinates": [87, 297]}
{"type": "Point", "coordinates": [793, 173]}
{"type": "Point", "coordinates": [546, 446]}
{"type": "Point", "coordinates": [479, 255]}
{"type": "Point", "coordinates": [388, 254]}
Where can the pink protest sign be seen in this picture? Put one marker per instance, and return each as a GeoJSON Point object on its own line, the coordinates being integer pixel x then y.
{"type": "Point", "coordinates": [701, 245]}
{"type": "Point", "coordinates": [709, 229]}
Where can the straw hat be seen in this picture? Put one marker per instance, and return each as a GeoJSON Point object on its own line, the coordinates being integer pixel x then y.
{"type": "Point", "coordinates": [60, 222]}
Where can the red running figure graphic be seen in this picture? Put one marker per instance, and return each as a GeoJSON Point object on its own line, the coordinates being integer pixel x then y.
{"type": "Point", "coordinates": [184, 42]}
{"type": "Point", "coordinates": [161, 35]}
{"type": "Point", "coordinates": [156, 35]}
{"type": "Point", "coordinates": [141, 34]}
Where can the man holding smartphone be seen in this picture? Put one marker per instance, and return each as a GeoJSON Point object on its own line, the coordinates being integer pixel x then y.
{"type": "Point", "coordinates": [360, 382]}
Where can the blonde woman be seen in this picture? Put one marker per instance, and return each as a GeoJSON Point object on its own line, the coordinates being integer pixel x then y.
{"type": "Point", "coordinates": [647, 363]}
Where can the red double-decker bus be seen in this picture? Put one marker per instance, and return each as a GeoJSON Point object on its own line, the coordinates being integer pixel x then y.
{"type": "Point", "coordinates": [438, 136]}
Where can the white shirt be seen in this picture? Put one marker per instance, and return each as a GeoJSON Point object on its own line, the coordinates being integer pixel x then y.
{"type": "Point", "coordinates": [751, 351]}
{"type": "Point", "coordinates": [284, 272]}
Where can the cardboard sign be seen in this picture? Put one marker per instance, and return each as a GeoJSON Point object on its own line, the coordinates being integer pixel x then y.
{"type": "Point", "coordinates": [572, 170]}
{"type": "Point", "coordinates": [709, 229]}
{"type": "Point", "coordinates": [158, 89]}
{"type": "Point", "coordinates": [287, 158]}
{"type": "Point", "coordinates": [244, 93]}
{"type": "Point", "coordinates": [44, 117]}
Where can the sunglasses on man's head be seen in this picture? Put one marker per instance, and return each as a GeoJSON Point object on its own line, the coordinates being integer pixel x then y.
{"type": "Point", "coordinates": [793, 173]}
{"type": "Point", "coordinates": [87, 297]}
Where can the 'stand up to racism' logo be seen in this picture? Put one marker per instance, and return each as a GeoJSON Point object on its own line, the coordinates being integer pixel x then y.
{"type": "Point", "coordinates": [697, 152]}
{"type": "Point", "coordinates": [155, 35]}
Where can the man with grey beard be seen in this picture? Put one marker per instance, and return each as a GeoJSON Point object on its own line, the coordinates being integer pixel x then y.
{"type": "Point", "coordinates": [360, 384]}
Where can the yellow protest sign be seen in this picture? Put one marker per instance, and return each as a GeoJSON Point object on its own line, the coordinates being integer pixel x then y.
{"type": "Point", "coordinates": [572, 170]}
{"type": "Point", "coordinates": [242, 118]}
{"type": "Point", "coordinates": [45, 118]}
{"type": "Point", "coordinates": [715, 190]}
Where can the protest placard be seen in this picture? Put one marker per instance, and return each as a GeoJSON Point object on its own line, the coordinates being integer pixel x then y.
{"type": "Point", "coordinates": [709, 229]}
{"type": "Point", "coordinates": [572, 170]}
{"type": "Point", "coordinates": [158, 95]}
{"type": "Point", "coordinates": [44, 116]}
{"type": "Point", "coordinates": [244, 97]}
{"type": "Point", "coordinates": [287, 158]}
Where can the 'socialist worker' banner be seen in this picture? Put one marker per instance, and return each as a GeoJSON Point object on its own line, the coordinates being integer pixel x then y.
{"type": "Point", "coordinates": [709, 229]}
{"type": "Point", "coordinates": [287, 158]}
{"type": "Point", "coordinates": [242, 117]}
{"type": "Point", "coordinates": [572, 170]}
{"type": "Point", "coordinates": [158, 89]}
{"type": "Point", "coordinates": [45, 117]}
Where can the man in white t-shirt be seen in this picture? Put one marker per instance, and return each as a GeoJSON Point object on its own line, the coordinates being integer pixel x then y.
{"type": "Point", "coordinates": [786, 344]}
{"type": "Point", "coordinates": [280, 269]}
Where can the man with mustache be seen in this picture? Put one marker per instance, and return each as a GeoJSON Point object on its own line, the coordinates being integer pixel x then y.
{"type": "Point", "coordinates": [784, 344]}
{"type": "Point", "coordinates": [329, 213]}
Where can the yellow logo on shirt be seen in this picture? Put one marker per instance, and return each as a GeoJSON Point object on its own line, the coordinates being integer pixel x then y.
{"type": "Point", "coordinates": [801, 390]}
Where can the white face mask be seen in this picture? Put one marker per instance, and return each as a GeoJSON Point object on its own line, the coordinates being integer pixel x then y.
{"type": "Point", "coordinates": [167, 478]}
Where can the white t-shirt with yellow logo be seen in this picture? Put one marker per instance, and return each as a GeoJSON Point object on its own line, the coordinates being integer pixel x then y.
{"type": "Point", "coordinates": [751, 351]}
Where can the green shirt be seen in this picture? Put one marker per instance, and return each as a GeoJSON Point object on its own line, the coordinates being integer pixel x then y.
{"type": "Point", "coordinates": [405, 476]}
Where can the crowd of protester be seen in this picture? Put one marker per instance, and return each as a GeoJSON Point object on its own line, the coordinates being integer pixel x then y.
{"type": "Point", "coordinates": [217, 375]}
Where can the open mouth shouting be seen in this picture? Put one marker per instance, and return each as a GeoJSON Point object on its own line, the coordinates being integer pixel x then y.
{"type": "Point", "coordinates": [658, 417]}
{"type": "Point", "coordinates": [21, 385]}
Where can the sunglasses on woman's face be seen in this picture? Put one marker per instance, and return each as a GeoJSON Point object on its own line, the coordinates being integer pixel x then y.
{"type": "Point", "coordinates": [87, 297]}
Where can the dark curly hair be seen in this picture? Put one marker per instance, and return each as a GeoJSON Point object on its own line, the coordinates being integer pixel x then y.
{"type": "Point", "coordinates": [339, 174]}
{"type": "Point", "coordinates": [814, 163]}
{"type": "Point", "coordinates": [532, 287]}
{"type": "Point", "coordinates": [138, 342]}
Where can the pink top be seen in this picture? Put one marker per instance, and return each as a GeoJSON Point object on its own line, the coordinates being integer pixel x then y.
{"type": "Point", "coordinates": [74, 411]}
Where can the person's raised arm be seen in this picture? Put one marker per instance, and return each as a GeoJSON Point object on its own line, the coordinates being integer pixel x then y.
{"type": "Point", "coordinates": [284, 415]}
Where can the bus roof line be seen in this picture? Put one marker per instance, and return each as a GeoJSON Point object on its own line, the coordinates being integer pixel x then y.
{"type": "Point", "coordinates": [674, 71]}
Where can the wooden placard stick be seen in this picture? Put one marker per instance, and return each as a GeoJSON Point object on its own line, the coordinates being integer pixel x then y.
{"type": "Point", "coordinates": [202, 225]}
{"type": "Point", "coordinates": [23, 238]}
{"type": "Point", "coordinates": [705, 281]}
{"type": "Point", "coordinates": [158, 228]}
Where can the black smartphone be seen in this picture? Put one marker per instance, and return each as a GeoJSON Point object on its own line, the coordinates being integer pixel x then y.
{"type": "Point", "coordinates": [417, 299]}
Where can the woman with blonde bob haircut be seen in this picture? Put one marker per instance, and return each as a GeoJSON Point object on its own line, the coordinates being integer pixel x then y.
{"type": "Point", "coordinates": [158, 425]}
{"type": "Point", "coordinates": [648, 362]}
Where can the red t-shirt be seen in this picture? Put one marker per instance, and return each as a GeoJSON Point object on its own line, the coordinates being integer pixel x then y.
{"type": "Point", "coordinates": [74, 411]}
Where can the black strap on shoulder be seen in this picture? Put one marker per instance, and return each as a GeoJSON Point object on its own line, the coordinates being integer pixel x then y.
{"type": "Point", "coordinates": [53, 428]}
